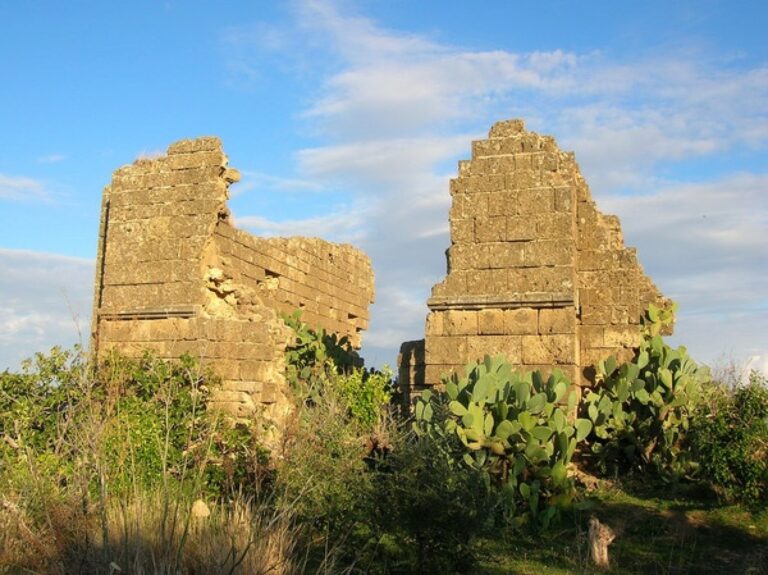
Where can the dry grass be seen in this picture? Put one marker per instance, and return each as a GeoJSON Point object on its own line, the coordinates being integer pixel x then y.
{"type": "Point", "coordinates": [152, 534]}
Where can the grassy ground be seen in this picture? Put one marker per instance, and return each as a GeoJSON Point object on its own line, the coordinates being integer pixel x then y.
{"type": "Point", "coordinates": [661, 529]}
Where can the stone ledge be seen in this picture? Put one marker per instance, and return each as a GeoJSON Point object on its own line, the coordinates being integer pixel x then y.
{"type": "Point", "coordinates": [152, 313]}
{"type": "Point", "coordinates": [506, 301]}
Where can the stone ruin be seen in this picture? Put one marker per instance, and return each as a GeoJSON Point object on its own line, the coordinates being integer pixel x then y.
{"type": "Point", "coordinates": [175, 277]}
{"type": "Point", "coordinates": [535, 271]}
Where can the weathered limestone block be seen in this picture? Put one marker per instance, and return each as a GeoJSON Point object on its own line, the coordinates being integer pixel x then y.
{"type": "Point", "coordinates": [174, 277]}
{"type": "Point", "coordinates": [521, 321]}
{"type": "Point", "coordinates": [491, 322]}
{"type": "Point", "coordinates": [535, 271]}
{"type": "Point", "coordinates": [549, 349]}
{"type": "Point", "coordinates": [557, 320]}
{"type": "Point", "coordinates": [481, 345]}
{"type": "Point", "coordinates": [458, 322]}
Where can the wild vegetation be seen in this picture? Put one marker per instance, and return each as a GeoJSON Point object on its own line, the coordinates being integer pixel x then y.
{"type": "Point", "coordinates": [514, 428]}
{"type": "Point", "coordinates": [641, 410]}
{"type": "Point", "coordinates": [120, 468]}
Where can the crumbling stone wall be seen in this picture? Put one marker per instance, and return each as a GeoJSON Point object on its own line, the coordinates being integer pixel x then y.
{"type": "Point", "coordinates": [174, 276]}
{"type": "Point", "coordinates": [535, 271]}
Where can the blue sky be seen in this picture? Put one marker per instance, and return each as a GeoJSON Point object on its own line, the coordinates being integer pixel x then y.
{"type": "Point", "coordinates": [347, 119]}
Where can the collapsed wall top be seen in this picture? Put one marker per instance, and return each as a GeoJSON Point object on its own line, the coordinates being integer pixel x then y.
{"type": "Point", "coordinates": [535, 271]}
{"type": "Point", "coordinates": [174, 276]}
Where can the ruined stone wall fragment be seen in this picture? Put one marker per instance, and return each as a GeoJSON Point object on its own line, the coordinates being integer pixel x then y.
{"type": "Point", "coordinates": [175, 277]}
{"type": "Point", "coordinates": [535, 271]}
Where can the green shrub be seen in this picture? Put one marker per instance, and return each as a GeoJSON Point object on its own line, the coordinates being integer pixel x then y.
{"type": "Point", "coordinates": [36, 404]}
{"type": "Point", "coordinates": [152, 412]}
{"type": "Point", "coordinates": [124, 425]}
{"type": "Point", "coordinates": [319, 363]}
{"type": "Point", "coordinates": [514, 428]}
{"type": "Point", "coordinates": [641, 409]}
{"type": "Point", "coordinates": [323, 467]}
{"type": "Point", "coordinates": [404, 509]}
{"type": "Point", "coordinates": [101, 464]}
{"type": "Point", "coordinates": [315, 356]}
{"type": "Point", "coordinates": [365, 392]}
{"type": "Point", "coordinates": [236, 461]}
{"type": "Point", "coordinates": [428, 509]}
{"type": "Point", "coordinates": [729, 440]}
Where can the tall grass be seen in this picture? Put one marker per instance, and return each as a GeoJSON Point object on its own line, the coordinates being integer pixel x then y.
{"type": "Point", "coordinates": [151, 534]}
{"type": "Point", "coordinates": [107, 470]}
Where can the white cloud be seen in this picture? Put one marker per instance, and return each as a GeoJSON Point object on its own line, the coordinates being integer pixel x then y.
{"type": "Point", "coordinates": [382, 162]}
{"type": "Point", "coordinates": [705, 246]}
{"type": "Point", "coordinates": [340, 226]}
{"type": "Point", "coordinates": [150, 154]}
{"type": "Point", "coordinates": [51, 159]}
{"type": "Point", "coordinates": [725, 339]}
{"type": "Point", "coordinates": [712, 231]}
{"type": "Point", "coordinates": [396, 110]}
{"type": "Point", "coordinates": [46, 301]}
{"type": "Point", "coordinates": [758, 363]}
{"type": "Point", "coordinates": [20, 188]}
{"type": "Point", "coordinates": [260, 181]}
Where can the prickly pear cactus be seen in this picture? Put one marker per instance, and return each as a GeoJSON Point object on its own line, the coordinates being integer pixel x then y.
{"type": "Point", "coordinates": [641, 410]}
{"type": "Point", "coordinates": [513, 426]}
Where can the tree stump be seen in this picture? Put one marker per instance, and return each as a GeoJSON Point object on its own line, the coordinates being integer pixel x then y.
{"type": "Point", "coordinates": [600, 537]}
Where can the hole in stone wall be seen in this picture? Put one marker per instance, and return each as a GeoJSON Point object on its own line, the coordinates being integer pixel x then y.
{"type": "Point", "coordinates": [271, 274]}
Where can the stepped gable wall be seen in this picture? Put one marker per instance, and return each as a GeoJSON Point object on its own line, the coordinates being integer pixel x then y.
{"type": "Point", "coordinates": [535, 271]}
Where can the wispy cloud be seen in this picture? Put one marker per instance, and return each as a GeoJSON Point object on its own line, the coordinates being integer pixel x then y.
{"type": "Point", "coordinates": [150, 154]}
{"type": "Point", "coordinates": [46, 301]}
{"type": "Point", "coordinates": [396, 110]}
{"type": "Point", "coordinates": [343, 225]}
{"type": "Point", "coordinates": [20, 188]}
{"type": "Point", "coordinates": [260, 181]}
{"type": "Point", "coordinates": [51, 159]}
{"type": "Point", "coordinates": [705, 245]}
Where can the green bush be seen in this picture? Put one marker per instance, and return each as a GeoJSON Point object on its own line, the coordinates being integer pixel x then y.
{"type": "Point", "coordinates": [101, 464]}
{"type": "Point", "coordinates": [123, 425]}
{"type": "Point", "coordinates": [642, 409]}
{"type": "Point", "coordinates": [323, 467]}
{"type": "Point", "coordinates": [365, 392]}
{"type": "Point", "coordinates": [393, 502]}
{"type": "Point", "coordinates": [428, 509]}
{"type": "Point", "coordinates": [406, 508]}
{"type": "Point", "coordinates": [318, 363]}
{"type": "Point", "coordinates": [315, 356]}
{"type": "Point", "coordinates": [729, 440]}
{"type": "Point", "coordinates": [154, 417]}
{"type": "Point", "coordinates": [514, 428]}
{"type": "Point", "coordinates": [37, 404]}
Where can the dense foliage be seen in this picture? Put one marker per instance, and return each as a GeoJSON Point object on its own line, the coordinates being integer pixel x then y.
{"type": "Point", "coordinates": [512, 426]}
{"type": "Point", "coordinates": [428, 509]}
{"type": "Point", "coordinates": [99, 465]}
{"type": "Point", "coordinates": [729, 440]}
{"type": "Point", "coordinates": [127, 424]}
{"type": "Point", "coordinates": [89, 453]}
{"type": "Point", "coordinates": [398, 502]}
{"type": "Point", "coordinates": [319, 363]}
{"type": "Point", "coordinates": [642, 409]}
